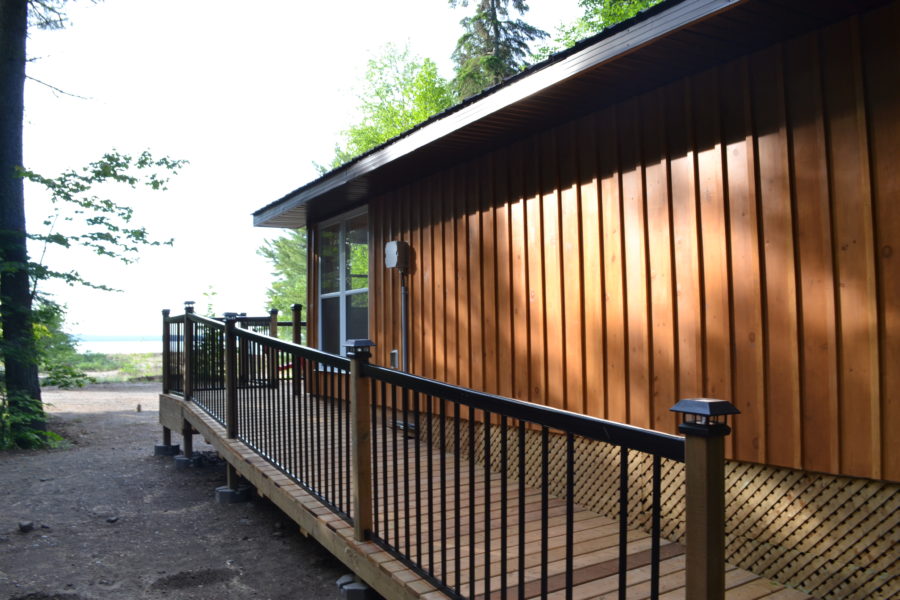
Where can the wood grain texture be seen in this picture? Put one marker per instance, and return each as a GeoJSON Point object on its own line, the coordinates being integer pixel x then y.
{"type": "Point", "coordinates": [731, 234]}
{"type": "Point", "coordinates": [881, 55]}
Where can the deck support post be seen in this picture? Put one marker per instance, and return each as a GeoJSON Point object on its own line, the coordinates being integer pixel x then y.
{"type": "Point", "coordinates": [187, 433]}
{"type": "Point", "coordinates": [165, 351]}
{"type": "Point", "coordinates": [704, 466]}
{"type": "Point", "coordinates": [186, 459]}
{"type": "Point", "coordinates": [188, 351]}
{"type": "Point", "coordinates": [235, 489]}
{"type": "Point", "coordinates": [166, 448]}
{"type": "Point", "coordinates": [231, 413]}
{"type": "Point", "coordinates": [360, 436]}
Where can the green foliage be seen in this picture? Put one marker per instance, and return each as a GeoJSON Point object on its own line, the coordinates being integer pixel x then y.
{"type": "Point", "coordinates": [400, 91]}
{"type": "Point", "coordinates": [288, 257]}
{"type": "Point", "coordinates": [16, 424]}
{"type": "Point", "coordinates": [81, 218]}
{"type": "Point", "coordinates": [57, 350]}
{"type": "Point", "coordinates": [598, 15]}
{"type": "Point", "coordinates": [493, 46]}
{"type": "Point", "coordinates": [210, 296]}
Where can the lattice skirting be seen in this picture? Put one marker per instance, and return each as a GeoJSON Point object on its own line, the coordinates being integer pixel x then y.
{"type": "Point", "coordinates": [831, 537]}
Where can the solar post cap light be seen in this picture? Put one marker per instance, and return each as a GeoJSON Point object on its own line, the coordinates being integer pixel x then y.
{"type": "Point", "coordinates": [705, 417]}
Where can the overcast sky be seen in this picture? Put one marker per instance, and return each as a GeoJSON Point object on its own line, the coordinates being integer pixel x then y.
{"type": "Point", "coordinates": [250, 97]}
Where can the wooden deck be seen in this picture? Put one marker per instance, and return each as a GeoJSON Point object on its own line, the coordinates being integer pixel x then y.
{"type": "Point", "coordinates": [429, 540]}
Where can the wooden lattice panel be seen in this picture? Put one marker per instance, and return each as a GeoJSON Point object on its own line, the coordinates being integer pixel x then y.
{"type": "Point", "coordinates": [832, 537]}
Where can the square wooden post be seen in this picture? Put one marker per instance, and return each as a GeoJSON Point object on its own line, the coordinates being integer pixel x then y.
{"type": "Point", "coordinates": [297, 323]}
{"type": "Point", "coordinates": [360, 436]}
{"type": "Point", "coordinates": [165, 351]}
{"type": "Point", "coordinates": [188, 351]}
{"type": "Point", "coordinates": [704, 469]}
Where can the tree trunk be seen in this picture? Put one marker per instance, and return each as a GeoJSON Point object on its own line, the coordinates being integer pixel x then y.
{"type": "Point", "coordinates": [18, 348]}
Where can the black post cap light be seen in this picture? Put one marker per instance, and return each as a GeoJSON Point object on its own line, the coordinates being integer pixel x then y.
{"type": "Point", "coordinates": [705, 417]}
{"type": "Point", "coordinates": [358, 347]}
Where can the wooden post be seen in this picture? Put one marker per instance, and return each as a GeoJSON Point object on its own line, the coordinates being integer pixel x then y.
{"type": "Point", "coordinates": [167, 436]}
{"type": "Point", "coordinates": [231, 414]}
{"type": "Point", "coordinates": [273, 322]}
{"type": "Point", "coordinates": [232, 479]}
{"type": "Point", "coordinates": [704, 466]}
{"type": "Point", "coordinates": [165, 352]}
{"type": "Point", "coordinates": [188, 351]}
{"type": "Point", "coordinates": [297, 323]}
{"type": "Point", "coordinates": [187, 433]}
{"type": "Point", "coordinates": [360, 437]}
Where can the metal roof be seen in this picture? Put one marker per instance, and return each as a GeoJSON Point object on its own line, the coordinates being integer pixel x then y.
{"type": "Point", "coordinates": [660, 45]}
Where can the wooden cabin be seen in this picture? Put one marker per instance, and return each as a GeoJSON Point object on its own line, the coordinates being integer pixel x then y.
{"type": "Point", "coordinates": [702, 201]}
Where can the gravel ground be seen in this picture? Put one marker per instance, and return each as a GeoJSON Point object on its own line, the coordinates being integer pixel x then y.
{"type": "Point", "coordinates": [110, 520]}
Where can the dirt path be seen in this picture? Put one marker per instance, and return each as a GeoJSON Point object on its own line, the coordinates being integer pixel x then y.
{"type": "Point", "coordinates": [112, 521]}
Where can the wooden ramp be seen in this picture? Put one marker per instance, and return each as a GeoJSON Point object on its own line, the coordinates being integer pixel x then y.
{"type": "Point", "coordinates": [429, 535]}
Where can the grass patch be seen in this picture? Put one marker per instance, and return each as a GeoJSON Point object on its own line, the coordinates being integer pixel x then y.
{"type": "Point", "coordinates": [120, 368]}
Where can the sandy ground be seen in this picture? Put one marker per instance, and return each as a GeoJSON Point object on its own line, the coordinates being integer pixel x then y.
{"type": "Point", "coordinates": [110, 520]}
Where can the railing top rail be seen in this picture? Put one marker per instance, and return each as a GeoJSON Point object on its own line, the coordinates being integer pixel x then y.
{"type": "Point", "coordinates": [174, 319]}
{"type": "Point", "coordinates": [331, 360]}
{"type": "Point", "coordinates": [207, 321]}
{"type": "Point", "coordinates": [628, 436]}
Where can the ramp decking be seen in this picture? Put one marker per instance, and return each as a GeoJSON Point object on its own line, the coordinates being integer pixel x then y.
{"type": "Point", "coordinates": [419, 515]}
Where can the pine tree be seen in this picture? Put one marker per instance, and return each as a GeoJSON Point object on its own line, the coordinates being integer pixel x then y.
{"type": "Point", "coordinates": [493, 45]}
{"type": "Point", "coordinates": [598, 15]}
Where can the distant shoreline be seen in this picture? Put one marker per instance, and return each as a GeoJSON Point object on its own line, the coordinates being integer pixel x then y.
{"type": "Point", "coordinates": [117, 338]}
{"type": "Point", "coordinates": [120, 345]}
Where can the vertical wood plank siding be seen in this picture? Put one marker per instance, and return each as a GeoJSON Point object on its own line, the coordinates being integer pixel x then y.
{"type": "Point", "coordinates": [734, 234]}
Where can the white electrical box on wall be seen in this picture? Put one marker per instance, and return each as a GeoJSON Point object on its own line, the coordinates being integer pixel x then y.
{"type": "Point", "coordinates": [396, 255]}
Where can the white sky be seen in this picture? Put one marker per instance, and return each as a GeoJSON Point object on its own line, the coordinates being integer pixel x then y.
{"type": "Point", "coordinates": [250, 97]}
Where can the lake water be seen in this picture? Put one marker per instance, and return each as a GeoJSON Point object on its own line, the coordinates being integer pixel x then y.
{"type": "Point", "coordinates": [120, 346]}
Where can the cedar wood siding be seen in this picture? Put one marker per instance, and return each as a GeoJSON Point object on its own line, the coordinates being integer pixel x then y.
{"type": "Point", "coordinates": [730, 235]}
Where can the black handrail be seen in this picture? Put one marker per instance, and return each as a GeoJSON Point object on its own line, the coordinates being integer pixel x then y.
{"type": "Point", "coordinates": [619, 434]}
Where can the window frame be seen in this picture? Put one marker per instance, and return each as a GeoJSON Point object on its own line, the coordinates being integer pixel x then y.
{"type": "Point", "coordinates": [342, 293]}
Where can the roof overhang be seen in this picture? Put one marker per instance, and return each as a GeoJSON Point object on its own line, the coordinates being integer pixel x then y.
{"type": "Point", "coordinates": [665, 43]}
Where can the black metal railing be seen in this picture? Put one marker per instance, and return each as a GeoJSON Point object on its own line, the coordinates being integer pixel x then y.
{"type": "Point", "coordinates": [173, 353]}
{"type": "Point", "coordinates": [207, 361]}
{"type": "Point", "coordinates": [479, 494]}
{"type": "Point", "coordinates": [476, 457]}
{"type": "Point", "coordinates": [294, 412]}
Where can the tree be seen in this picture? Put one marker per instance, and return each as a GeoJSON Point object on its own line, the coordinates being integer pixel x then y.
{"type": "Point", "coordinates": [288, 257]}
{"type": "Point", "coordinates": [78, 218]}
{"type": "Point", "coordinates": [21, 406]}
{"type": "Point", "coordinates": [493, 46]}
{"type": "Point", "coordinates": [598, 15]}
{"type": "Point", "coordinates": [17, 346]}
{"type": "Point", "coordinates": [400, 91]}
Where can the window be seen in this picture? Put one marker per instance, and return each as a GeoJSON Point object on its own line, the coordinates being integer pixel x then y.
{"type": "Point", "coordinates": [343, 281]}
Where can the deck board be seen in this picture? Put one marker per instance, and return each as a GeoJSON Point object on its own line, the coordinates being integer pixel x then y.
{"type": "Point", "coordinates": [427, 536]}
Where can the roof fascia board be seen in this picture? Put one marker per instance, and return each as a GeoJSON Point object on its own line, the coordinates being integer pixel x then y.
{"type": "Point", "coordinates": [604, 50]}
